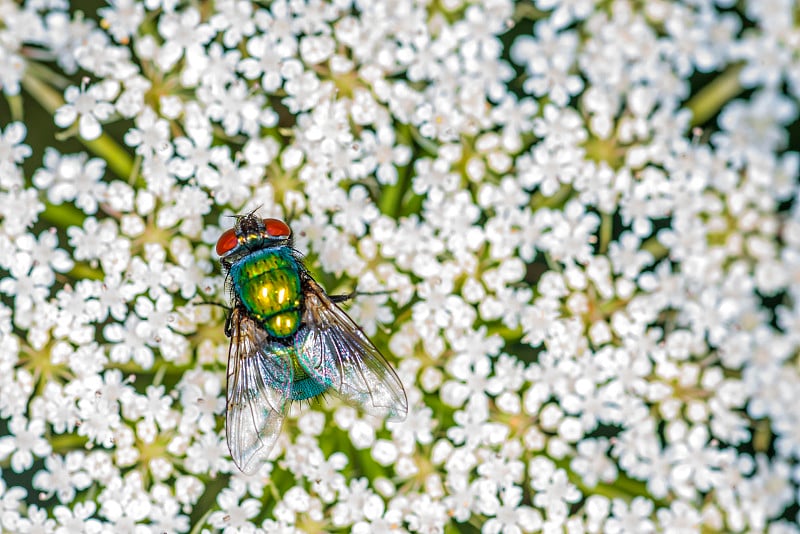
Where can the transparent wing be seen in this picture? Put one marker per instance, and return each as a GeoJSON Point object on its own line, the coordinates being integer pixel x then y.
{"type": "Point", "coordinates": [259, 381]}
{"type": "Point", "coordinates": [333, 350]}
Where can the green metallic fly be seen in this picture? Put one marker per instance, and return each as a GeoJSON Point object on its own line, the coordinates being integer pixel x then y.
{"type": "Point", "coordinates": [290, 341]}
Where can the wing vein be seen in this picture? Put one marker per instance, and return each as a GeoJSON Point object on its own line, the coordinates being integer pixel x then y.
{"type": "Point", "coordinates": [336, 353]}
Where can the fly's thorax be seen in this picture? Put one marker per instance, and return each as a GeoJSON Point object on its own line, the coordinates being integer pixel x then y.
{"type": "Point", "coordinates": [268, 283]}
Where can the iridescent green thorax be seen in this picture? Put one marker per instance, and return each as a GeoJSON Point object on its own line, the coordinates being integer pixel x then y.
{"type": "Point", "coordinates": [268, 283]}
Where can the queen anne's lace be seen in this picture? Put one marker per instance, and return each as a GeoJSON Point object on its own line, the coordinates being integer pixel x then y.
{"type": "Point", "coordinates": [576, 222]}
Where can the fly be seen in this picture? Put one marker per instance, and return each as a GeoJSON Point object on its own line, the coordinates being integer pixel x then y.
{"type": "Point", "coordinates": [289, 341]}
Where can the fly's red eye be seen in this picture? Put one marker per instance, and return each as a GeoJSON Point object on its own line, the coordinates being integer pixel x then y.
{"type": "Point", "coordinates": [226, 242]}
{"type": "Point", "coordinates": [277, 228]}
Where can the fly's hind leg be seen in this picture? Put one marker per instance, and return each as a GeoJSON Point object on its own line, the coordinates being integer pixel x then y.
{"type": "Point", "coordinates": [355, 293]}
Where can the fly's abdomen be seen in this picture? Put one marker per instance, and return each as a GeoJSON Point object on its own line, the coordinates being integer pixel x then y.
{"type": "Point", "coordinates": [312, 374]}
{"type": "Point", "coordinates": [304, 386]}
{"type": "Point", "coordinates": [268, 284]}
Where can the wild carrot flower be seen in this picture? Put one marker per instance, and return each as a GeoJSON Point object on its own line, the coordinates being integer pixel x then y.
{"type": "Point", "coordinates": [576, 222]}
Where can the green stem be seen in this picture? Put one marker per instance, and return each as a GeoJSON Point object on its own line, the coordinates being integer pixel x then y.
{"type": "Point", "coordinates": [39, 70]}
{"type": "Point", "coordinates": [508, 334]}
{"type": "Point", "coordinates": [428, 145]}
{"type": "Point", "coordinates": [67, 442]}
{"type": "Point", "coordinates": [16, 108]}
{"type": "Point", "coordinates": [117, 158]}
{"type": "Point", "coordinates": [391, 197]}
{"type": "Point", "coordinates": [201, 522]}
{"type": "Point", "coordinates": [606, 229]}
{"type": "Point", "coordinates": [158, 378]}
{"type": "Point", "coordinates": [170, 371]}
{"type": "Point", "coordinates": [654, 247]}
{"type": "Point", "coordinates": [207, 502]}
{"type": "Point", "coordinates": [538, 200]}
{"type": "Point", "coordinates": [63, 215]}
{"type": "Point", "coordinates": [81, 271]}
{"type": "Point", "coordinates": [525, 10]}
{"type": "Point", "coordinates": [709, 100]}
{"type": "Point", "coordinates": [622, 488]}
{"type": "Point", "coordinates": [49, 99]}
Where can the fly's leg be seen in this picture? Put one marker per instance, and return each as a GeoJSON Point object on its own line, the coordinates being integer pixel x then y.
{"type": "Point", "coordinates": [224, 307]}
{"type": "Point", "coordinates": [355, 293]}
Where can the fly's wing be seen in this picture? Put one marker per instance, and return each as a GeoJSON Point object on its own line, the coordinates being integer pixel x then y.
{"type": "Point", "coordinates": [334, 351]}
{"type": "Point", "coordinates": [259, 380]}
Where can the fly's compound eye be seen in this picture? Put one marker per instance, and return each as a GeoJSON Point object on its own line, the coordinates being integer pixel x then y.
{"type": "Point", "coordinates": [227, 242]}
{"type": "Point", "coordinates": [275, 228]}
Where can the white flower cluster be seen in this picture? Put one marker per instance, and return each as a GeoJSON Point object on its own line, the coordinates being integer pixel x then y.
{"type": "Point", "coordinates": [593, 306]}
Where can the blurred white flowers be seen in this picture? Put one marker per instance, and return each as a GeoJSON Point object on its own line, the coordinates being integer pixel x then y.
{"type": "Point", "coordinates": [89, 107]}
{"type": "Point", "coordinates": [579, 221]}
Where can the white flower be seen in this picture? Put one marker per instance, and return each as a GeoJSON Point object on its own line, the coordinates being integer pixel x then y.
{"type": "Point", "coordinates": [12, 68]}
{"type": "Point", "coordinates": [356, 502]}
{"type": "Point", "coordinates": [28, 283]}
{"type": "Point", "coordinates": [593, 462]}
{"type": "Point", "coordinates": [72, 177]}
{"type": "Point", "coordinates": [12, 150]}
{"type": "Point", "coordinates": [37, 520]}
{"type": "Point", "coordinates": [77, 519]}
{"type": "Point", "coordinates": [122, 18]}
{"type": "Point", "coordinates": [235, 514]}
{"type": "Point", "coordinates": [182, 32]}
{"type": "Point", "coordinates": [151, 134]}
{"type": "Point", "coordinates": [554, 493]}
{"type": "Point", "coordinates": [581, 294]}
{"type": "Point", "coordinates": [235, 17]}
{"type": "Point", "coordinates": [680, 518]}
{"type": "Point", "coordinates": [510, 517]}
{"type": "Point", "coordinates": [633, 518]}
{"type": "Point", "coordinates": [89, 106]}
{"type": "Point", "coordinates": [24, 441]}
{"type": "Point", "coordinates": [426, 515]}
{"type": "Point", "coordinates": [548, 58]}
